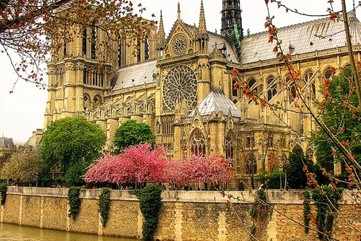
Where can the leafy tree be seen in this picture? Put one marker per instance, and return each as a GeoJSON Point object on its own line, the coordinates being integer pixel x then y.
{"type": "Point", "coordinates": [23, 167]}
{"type": "Point", "coordinates": [295, 174]}
{"type": "Point", "coordinates": [132, 133]}
{"type": "Point", "coordinates": [71, 144]}
{"type": "Point", "coordinates": [342, 119]}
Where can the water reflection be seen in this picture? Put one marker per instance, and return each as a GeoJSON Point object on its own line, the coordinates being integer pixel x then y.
{"type": "Point", "coordinates": [21, 233]}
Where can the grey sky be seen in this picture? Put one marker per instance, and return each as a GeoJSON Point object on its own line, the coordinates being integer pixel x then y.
{"type": "Point", "coordinates": [22, 111]}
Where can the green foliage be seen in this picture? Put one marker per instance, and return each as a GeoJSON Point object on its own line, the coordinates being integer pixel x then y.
{"type": "Point", "coordinates": [307, 211]}
{"type": "Point", "coordinates": [326, 199]}
{"type": "Point", "coordinates": [68, 143]}
{"type": "Point", "coordinates": [275, 180]}
{"type": "Point", "coordinates": [74, 202]}
{"type": "Point", "coordinates": [23, 167]}
{"type": "Point", "coordinates": [74, 174]}
{"type": "Point", "coordinates": [104, 205]}
{"type": "Point", "coordinates": [296, 178]}
{"type": "Point", "coordinates": [150, 205]}
{"type": "Point", "coordinates": [132, 133]}
{"type": "Point", "coordinates": [3, 190]}
{"type": "Point", "coordinates": [259, 212]}
{"type": "Point", "coordinates": [341, 119]}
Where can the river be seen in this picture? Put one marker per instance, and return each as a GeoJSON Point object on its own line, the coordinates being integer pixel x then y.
{"type": "Point", "coordinates": [21, 233]}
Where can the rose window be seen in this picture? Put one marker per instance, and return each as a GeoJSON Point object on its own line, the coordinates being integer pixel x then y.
{"type": "Point", "coordinates": [180, 85]}
{"type": "Point", "coordinates": [180, 45]}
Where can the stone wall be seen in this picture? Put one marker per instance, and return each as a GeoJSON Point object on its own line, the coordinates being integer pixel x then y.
{"type": "Point", "coordinates": [185, 216]}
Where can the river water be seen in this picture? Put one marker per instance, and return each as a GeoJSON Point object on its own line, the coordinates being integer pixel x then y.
{"type": "Point", "coordinates": [21, 233]}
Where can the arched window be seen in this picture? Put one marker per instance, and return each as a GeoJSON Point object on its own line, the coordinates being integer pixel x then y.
{"type": "Point", "coordinates": [251, 164]}
{"type": "Point", "coordinates": [120, 52]}
{"type": "Point", "coordinates": [146, 48]}
{"type": "Point", "coordinates": [139, 58]}
{"type": "Point", "coordinates": [85, 75]}
{"type": "Point", "coordinates": [292, 91]}
{"type": "Point", "coordinates": [310, 77]}
{"type": "Point", "coordinates": [97, 101]}
{"type": "Point", "coordinates": [93, 42]}
{"type": "Point", "coordinates": [229, 146]}
{"type": "Point", "coordinates": [272, 87]}
{"type": "Point", "coordinates": [87, 102]}
{"type": "Point", "coordinates": [84, 42]}
{"type": "Point", "coordinates": [329, 73]}
{"type": "Point", "coordinates": [198, 143]}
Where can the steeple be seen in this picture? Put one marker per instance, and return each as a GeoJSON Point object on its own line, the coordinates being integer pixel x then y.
{"type": "Point", "coordinates": [202, 20]}
{"type": "Point", "coordinates": [160, 34]}
{"type": "Point", "coordinates": [232, 22]}
{"type": "Point", "coordinates": [202, 35]}
{"type": "Point", "coordinates": [179, 11]}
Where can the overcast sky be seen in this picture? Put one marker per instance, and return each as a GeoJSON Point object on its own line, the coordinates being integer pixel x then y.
{"type": "Point", "coordinates": [22, 112]}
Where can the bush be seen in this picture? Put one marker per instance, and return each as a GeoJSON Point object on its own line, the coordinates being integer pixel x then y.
{"type": "Point", "coordinates": [132, 133]}
{"type": "Point", "coordinates": [150, 205]}
{"type": "Point", "coordinates": [3, 190]}
{"type": "Point", "coordinates": [74, 202]}
{"type": "Point", "coordinates": [275, 180]}
{"type": "Point", "coordinates": [68, 143]}
{"type": "Point", "coordinates": [23, 167]}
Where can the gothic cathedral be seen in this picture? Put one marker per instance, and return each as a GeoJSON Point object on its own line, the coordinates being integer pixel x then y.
{"type": "Point", "coordinates": [181, 85]}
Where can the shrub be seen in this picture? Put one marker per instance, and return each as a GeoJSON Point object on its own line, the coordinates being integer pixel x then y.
{"type": "Point", "coordinates": [23, 167]}
{"type": "Point", "coordinates": [132, 133]}
{"type": "Point", "coordinates": [74, 202]}
{"type": "Point", "coordinates": [307, 211]}
{"type": "Point", "coordinates": [296, 178]}
{"type": "Point", "coordinates": [69, 142]}
{"type": "Point", "coordinates": [275, 180]}
{"type": "Point", "coordinates": [104, 205]}
{"type": "Point", "coordinates": [150, 206]}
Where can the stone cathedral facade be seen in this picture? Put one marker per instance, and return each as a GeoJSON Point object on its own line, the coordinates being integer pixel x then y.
{"type": "Point", "coordinates": [180, 84]}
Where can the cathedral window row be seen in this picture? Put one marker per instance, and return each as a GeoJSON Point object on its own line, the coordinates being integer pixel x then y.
{"type": "Point", "coordinates": [91, 104]}
{"type": "Point", "coordinates": [93, 38]}
{"type": "Point", "coordinates": [167, 125]}
{"type": "Point", "coordinates": [93, 77]}
{"type": "Point", "coordinates": [198, 143]}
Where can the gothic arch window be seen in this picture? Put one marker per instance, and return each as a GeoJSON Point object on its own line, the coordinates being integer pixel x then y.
{"type": "Point", "coordinates": [85, 41]}
{"type": "Point", "coordinates": [251, 164]}
{"type": "Point", "coordinates": [329, 73]}
{"type": "Point", "coordinates": [97, 101]}
{"type": "Point", "coordinates": [93, 42]}
{"type": "Point", "coordinates": [146, 48]}
{"type": "Point", "coordinates": [87, 102]}
{"type": "Point", "coordinates": [309, 76]}
{"type": "Point", "coordinates": [120, 52]}
{"type": "Point", "coordinates": [292, 91]}
{"type": "Point", "coordinates": [229, 147]}
{"type": "Point", "coordinates": [198, 143]}
{"type": "Point", "coordinates": [85, 75]}
{"type": "Point", "coordinates": [272, 87]}
{"type": "Point", "coordinates": [180, 85]}
{"type": "Point", "coordinates": [139, 57]}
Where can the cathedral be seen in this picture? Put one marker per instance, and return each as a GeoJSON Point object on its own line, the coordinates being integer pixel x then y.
{"type": "Point", "coordinates": [181, 85]}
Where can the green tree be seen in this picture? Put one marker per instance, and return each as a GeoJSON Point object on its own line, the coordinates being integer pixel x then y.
{"type": "Point", "coordinates": [132, 133]}
{"type": "Point", "coordinates": [23, 167]}
{"type": "Point", "coordinates": [342, 118]}
{"type": "Point", "coordinates": [295, 174]}
{"type": "Point", "coordinates": [71, 144]}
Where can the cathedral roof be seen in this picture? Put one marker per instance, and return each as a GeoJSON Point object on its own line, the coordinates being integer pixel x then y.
{"type": "Point", "coordinates": [217, 102]}
{"type": "Point", "coordinates": [306, 37]}
{"type": "Point", "coordinates": [136, 75]}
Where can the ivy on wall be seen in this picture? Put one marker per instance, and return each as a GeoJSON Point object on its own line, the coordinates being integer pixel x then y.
{"type": "Point", "coordinates": [3, 190]}
{"type": "Point", "coordinates": [150, 206]}
{"type": "Point", "coordinates": [307, 210]}
{"type": "Point", "coordinates": [326, 199]}
{"type": "Point", "coordinates": [259, 212]}
{"type": "Point", "coordinates": [74, 202]}
{"type": "Point", "coordinates": [104, 205]}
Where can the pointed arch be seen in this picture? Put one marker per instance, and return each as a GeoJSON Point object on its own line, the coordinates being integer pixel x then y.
{"type": "Point", "coordinates": [251, 164]}
{"type": "Point", "coordinates": [198, 143]}
{"type": "Point", "coordinates": [229, 144]}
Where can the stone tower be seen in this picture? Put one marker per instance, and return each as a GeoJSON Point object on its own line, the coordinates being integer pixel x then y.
{"type": "Point", "coordinates": [232, 22]}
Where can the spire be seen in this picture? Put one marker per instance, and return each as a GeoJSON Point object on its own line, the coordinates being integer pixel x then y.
{"type": "Point", "coordinates": [179, 11]}
{"type": "Point", "coordinates": [231, 16]}
{"type": "Point", "coordinates": [202, 20]}
{"type": "Point", "coordinates": [161, 32]}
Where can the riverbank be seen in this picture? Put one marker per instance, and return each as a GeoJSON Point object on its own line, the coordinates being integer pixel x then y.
{"type": "Point", "coordinates": [185, 216]}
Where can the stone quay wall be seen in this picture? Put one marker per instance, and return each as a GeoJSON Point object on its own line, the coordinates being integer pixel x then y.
{"type": "Point", "coordinates": [185, 215]}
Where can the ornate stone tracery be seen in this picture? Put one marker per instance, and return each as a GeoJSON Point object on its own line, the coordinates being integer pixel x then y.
{"type": "Point", "coordinates": [180, 85]}
{"type": "Point", "coordinates": [179, 45]}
